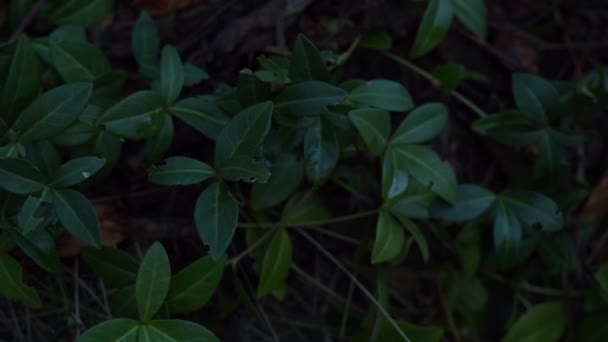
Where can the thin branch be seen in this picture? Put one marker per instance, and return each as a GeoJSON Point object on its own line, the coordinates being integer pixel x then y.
{"type": "Point", "coordinates": [27, 19]}
{"type": "Point", "coordinates": [311, 223]}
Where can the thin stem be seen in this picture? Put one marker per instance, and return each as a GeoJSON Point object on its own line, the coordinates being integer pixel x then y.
{"type": "Point", "coordinates": [253, 246]}
{"type": "Point", "coordinates": [312, 223]}
{"type": "Point", "coordinates": [356, 281]}
{"type": "Point", "coordinates": [435, 82]}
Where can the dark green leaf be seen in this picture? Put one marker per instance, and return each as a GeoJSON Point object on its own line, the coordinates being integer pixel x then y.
{"type": "Point", "coordinates": [507, 229]}
{"type": "Point", "coordinates": [536, 98]}
{"type": "Point", "coordinates": [39, 245]}
{"type": "Point", "coordinates": [309, 98]}
{"type": "Point", "coordinates": [471, 201]}
{"type": "Point", "coordinates": [115, 267]}
{"type": "Point", "coordinates": [52, 112]}
{"type": "Point", "coordinates": [44, 156]}
{"type": "Point", "coordinates": [193, 286]}
{"type": "Point", "coordinates": [395, 177]}
{"type": "Point", "coordinates": [435, 24]}
{"type": "Point", "coordinates": [383, 94]}
{"type": "Point", "coordinates": [201, 115]}
{"type": "Point", "coordinates": [321, 151]}
{"type": "Point", "coordinates": [76, 171]}
{"type": "Point", "coordinates": [144, 40]}
{"type": "Point", "coordinates": [286, 174]}
{"type": "Point", "coordinates": [508, 127]}
{"type": "Point", "coordinates": [243, 168]}
{"type": "Point", "coordinates": [136, 117]}
{"type": "Point", "coordinates": [118, 329]}
{"type": "Point", "coordinates": [306, 63]}
{"type": "Point", "coordinates": [421, 125]}
{"type": "Point", "coordinates": [472, 14]}
{"type": "Point", "coordinates": [381, 41]}
{"type": "Point", "coordinates": [175, 330]}
{"type": "Point", "coordinates": [78, 216]}
{"type": "Point", "coordinates": [33, 215]}
{"type": "Point", "coordinates": [123, 303]}
{"type": "Point", "coordinates": [244, 133]}
{"type": "Point", "coordinates": [20, 177]}
{"type": "Point", "coordinates": [158, 145]}
{"type": "Point", "coordinates": [275, 263]}
{"type": "Point", "coordinates": [551, 163]}
{"type": "Point", "coordinates": [374, 126]}
{"type": "Point", "coordinates": [534, 208]}
{"type": "Point", "coordinates": [152, 283]}
{"type": "Point", "coordinates": [11, 285]}
{"type": "Point", "coordinates": [304, 207]}
{"type": "Point", "coordinates": [593, 328]}
{"type": "Point", "coordinates": [413, 229]}
{"type": "Point", "coordinates": [389, 238]}
{"type": "Point", "coordinates": [180, 171]}
{"type": "Point", "coordinates": [413, 202]}
{"type": "Point", "coordinates": [107, 88]}
{"type": "Point", "coordinates": [469, 248]}
{"type": "Point", "coordinates": [215, 216]}
{"type": "Point", "coordinates": [78, 61]}
{"type": "Point", "coordinates": [73, 33]}
{"type": "Point", "coordinates": [544, 322]}
{"type": "Point", "coordinates": [193, 75]}
{"type": "Point", "coordinates": [387, 332]}
{"type": "Point", "coordinates": [171, 74]}
{"type": "Point", "coordinates": [251, 90]}
{"type": "Point", "coordinates": [81, 12]}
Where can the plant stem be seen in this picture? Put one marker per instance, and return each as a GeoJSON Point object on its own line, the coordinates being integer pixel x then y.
{"type": "Point", "coordinates": [312, 223]}
{"type": "Point", "coordinates": [435, 82]}
{"type": "Point", "coordinates": [253, 246]}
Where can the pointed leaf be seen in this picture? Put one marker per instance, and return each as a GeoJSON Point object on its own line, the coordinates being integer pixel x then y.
{"type": "Point", "coordinates": [383, 94]}
{"type": "Point", "coordinates": [507, 229]}
{"type": "Point", "coordinates": [472, 14]}
{"type": "Point", "coordinates": [286, 174]}
{"type": "Point", "coordinates": [310, 98]}
{"type": "Point", "coordinates": [389, 238]}
{"type": "Point", "coordinates": [79, 61]}
{"type": "Point", "coordinates": [544, 322]}
{"type": "Point", "coordinates": [534, 208]}
{"type": "Point", "coordinates": [374, 126]}
{"type": "Point", "coordinates": [251, 90]}
{"type": "Point", "coordinates": [11, 285]}
{"type": "Point", "coordinates": [413, 229]}
{"type": "Point", "coordinates": [276, 263]}
{"type": "Point", "coordinates": [115, 267]}
{"type": "Point", "coordinates": [135, 117]}
{"type": "Point", "coordinates": [216, 216]}
{"type": "Point", "coordinates": [201, 115]}
{"type": "Point", "coordinates": [395, 177]}
{"type": "Point", "coordinates": [20, 177]}
{"type": "Point", "coordinates": [193, 75]}
{"type": "Point", "coordinates": [118, 329]}
{"type": "Point", "coordinates": [180, 171]}
{"type": "Point", "coordinates": [77, 215]}
{"type": "Point", "coordinates": [306, 63]}
{"type": "Point", "coordinates": [321, 151]}
{"type": "Point", "coordinates": [39, 246]}
{"type": "Point", "coordinates": [158, 145]}
{"type": "Point", "coordinates": [171, 74]}
{"type": "Point", "coordinates": [435, 24]}
{"type": "Point", "coordinates": [471, 201]}
{"type": "Point", "coordinates": [81, 12]}
{"type": "Point", "coordinates": [243, 168]}
{"type": "Point", "coordinates": [175, 330]}
{"type": "Point", "coordinates": [152, 283]}
{"type": "Point", "coordinates": [144, 40]}
{"type": "Point", "coordinates": [421, 125]}
{"type": "Point", "coordinates": [535, 97]}
{"type": "Point", "coordinates": [76, 171]}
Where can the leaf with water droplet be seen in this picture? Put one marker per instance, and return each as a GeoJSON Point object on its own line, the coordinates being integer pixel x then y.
{"type": "Point", "coordinates": [76, 171]}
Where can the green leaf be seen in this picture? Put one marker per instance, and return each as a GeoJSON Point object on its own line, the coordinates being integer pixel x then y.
{"type": "Point", "coordinates": [79, 61]}
{"type": "Point", "coordinates": [193, 75]}
{"type": "Point", "coordinates": [413, 229]}
{"type": "Point", "coordinates": [107, 88]}
{"type": "Point", "coordinates": [123, 303]}
{"type": "Point", "coordinates": [158, 145]}
{"type": "Point", "coordinates": [20, 177]}
{"type": "Point", "coordinates": [193, 286]}
{"type": "Point", "coordinates": [509, 127]}
{"type": "Point", "coordinates": [115, 267]}
{"type": "Point", "coordinates": [136, 117]}
{"type": "Point", "coordinates": [601, 276]}
{"type": "Point", "coordinates": [286, 174]}
{"type": "Point", "coordinates": [44, 156]}
{"type": "Point", "coordinates": [275, 263]}
{"type": "Point", "coordinates": [243, 168]}
{"type": "Point", "coordinates": [310, 98]}
{"type": "Point", "coordinates": [469, 248]}
{"type": "Point", "coordinates": [76, 171]}
{"type": "Point", "coordinates": [203, 116]}
{"type": "Point", "coordinates": [395, 177]}
{"type": "Point", "coordinates": [81, 12]}
{"type": "Point", "coordinates": [435, 24]}
{"type": "Point", "coordinates": [244, 133]}
{"type": "Point", "coordinates": [544, 322]}
{"type": "Point", "coordinates": [412, 203]}
{"type": "Point", "coordinates": [251, 90]}
{"type": "Point", "coordinates": [216, 216]}
{"type": "Point", "coordinates": [536, 98]}
{"type": "Point", "coordinates": [425, 166]}
{"type": "Point", "coordinates": [421, 125]}
{"type": "Point", "coordinates": [152, 283]}
{"type": "Point", "coordinates": [593, 328]}
{"type": "Point", "coordinates": [52, 112]}
{"type": "Point", "coordinates": [144, 40]}
{"type": "Point", "coordinates": [22, 80]}
{"type": "Point", "coordinates": [321, 151]}
{"type": "Point", "coordinates": [507, 228]}
{"type": "Point", "coordinates": [472, 14]}
{"type": "Point", "coordinates": [180, 171]}
{"type": "Point", "coordinates": [387, 332]}
{"type": "Point", "coordinates": [39, 246]}
{"type": "Point", "coordinates": [73, 33]}
{"type": "Point", "coordinates": [304, 207]}
{"type": "Point", "coordinates": [551, 163]}
{"type": "Point", "coordinates": [175, 330]}
{"type": "Point", "coordinates": [381, 41]}
{"type": "Point", "coordinates": [389, 238]}
{"type": "Point", "coordinates": [11, 285]}
{"type": "Point", "coordinates": [471, 201]}
{"type": "Point", "coordinates": [118, 329]}
{"type": "Point", "coordinates": [374, 126]}
{"type": "Point", "coordinates": [306, 63]}
{"type": "Point", "coordinates": [80, 131]}
{"type": "Point", "coordinates": [383, 94]}
{"type": "Point", "coordinates": [534, 208]}
{"type": "Point", "coordinates": [171, 74]}
{"type": "Point", "coordinates": [77, 215]}
{"type": "Point", "coordinates": [450, 75]}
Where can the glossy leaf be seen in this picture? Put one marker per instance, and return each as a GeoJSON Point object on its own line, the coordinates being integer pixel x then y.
{"type": "Point", "coordinates": [414, 230]}
{"type": "Point", "coordinates": [534, 208]}
{"type": "Point", "coordinates": [544, 322]}
{"type": "Point", "coordinates": [44, 156]}
{"type": "Point", "coordinates": [78, 61]}
{"type": "Point", "coordinates": [389, 238]}
{"type": "Point", "coordinates": [158, 145]}
{"type": "Point", "coordinates": [374, 126]}
{"type": "Point", "coordinates": [306, 63]}
{"type": "Point", "coordinates": [507, 228]}
{"type": "Point", "coordinates": [20, 177]}
{"type": "Point", "coordinates": [243, 168]}
{"type": "Point", "coordinates": [382, 94]}
{"type": "Point", "coordinates": [11, 285]}
{"type": "Point", "coordinates": [310, 98]}
{"type": "Point", "coordinates": [275, 263]}
{"type": "Point", "coordinates": [286, 174]}
{"type": "Point", "coordinates": [508, 127]}
{"type": "Point", "coordinates": [244, 133]}
{"type": "Point", "coordinates": [136, 117]}
{"type": "Point", "coordinates": [421, 125]}
{"type": "Point", "coordinates": [180, 171]}
{"type": "Point", "coordinates": [81, 12]}
{"type": "Point", "coordinates": [251, 90]}
{"type": "Point", "coordinates": [472, 14]}
{"type": "Point", "coordinates": [192, 287]}
{"type": "Point", "coordinates": [118, 329]}
{"type": "Point", "coordinates": [115, 267]}
{"type": "Point", "coordinates": [39, 246]}
{"type": "Point", "coordinates": [152, 282]}
{"type": "Point", "coordinates": [175, 330]}
{"type": "Point", "coordinates": [435, 24]}
{"type": "Point", "coordinates": [215, 216]}
{"type": "Point", "coordinates": [77, 215]}
{"type": "Point", "coordinates": [395, 177]}
{"type": "Point", "coordinates": [193, 75]}
{"type": "Point", "coordinates": [321, 151]}
{"type": "Point", "coordinates": [144, 40]}
{"type": "Point", "coordinates": [76, 171]}
{"type": "Point", "coordinates": [33, 215]}
{"type": "Point", "coordinates": [412, 203]}
{"type": "Point", "coordinates": [52, 112]}
{"type": "Point", "coordinates": [471, 201]}
{"type": "Point", "coordinates": [171, 74]}
{"type": "Point", "coordinates": [201, 115]}
{"type": "Point", "coordinates": [536, 98]}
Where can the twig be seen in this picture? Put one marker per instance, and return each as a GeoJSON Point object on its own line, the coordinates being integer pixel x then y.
{"type": "Point", "coordinates": [312, 223]}
{"type": "Point", "coordinates": [448, 313]}
{"type": "Point", "coordinates": [27, 19]}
